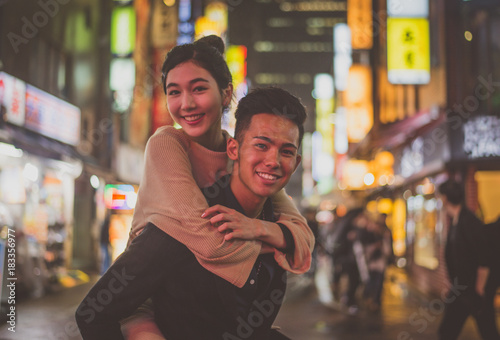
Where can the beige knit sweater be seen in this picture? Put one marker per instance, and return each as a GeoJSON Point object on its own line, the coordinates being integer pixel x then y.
{"type": "Point", "coordinates": [170, 198]}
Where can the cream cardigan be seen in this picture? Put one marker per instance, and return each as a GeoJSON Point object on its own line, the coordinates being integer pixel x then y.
{"type": "Point", "coordinates": [170, 198]}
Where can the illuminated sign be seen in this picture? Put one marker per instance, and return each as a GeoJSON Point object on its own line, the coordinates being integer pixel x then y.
{"type": "Point", "coordinates": [123, 30]}
{"type": "Point", "coordinates": [51, 116]}
{"type": "Point", "coordinates": [358, 102]}
{"type": "Point", "coordinates": [342, 58]}
{"type": "Point", "coordinates": [408, 8]}
{"type": "Point", "coordinates": [359, 19]}
{"type": "Point", "coordinates": [120, 196]}
{"type": "Point", "coordinates": [481, 137]}
{"type": "Point", "coordinates": [408, 51]}
{"type": "Point", "coordinates": [12, 96]}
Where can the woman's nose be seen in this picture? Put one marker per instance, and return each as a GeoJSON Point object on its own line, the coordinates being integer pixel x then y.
{"type": "Point", "coordinates": [188, 102]}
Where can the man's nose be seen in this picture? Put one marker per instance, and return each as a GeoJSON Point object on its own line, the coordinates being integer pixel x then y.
{"type": "Point", "coordinates": [272, 158]}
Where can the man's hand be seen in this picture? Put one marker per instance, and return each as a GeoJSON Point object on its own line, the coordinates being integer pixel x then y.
{"type": "Point", "coordinates": [233, 223]}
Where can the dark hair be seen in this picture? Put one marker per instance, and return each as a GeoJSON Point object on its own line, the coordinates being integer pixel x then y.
{"type": "Point", "coordinates": [207, 53]}
{"type": "Point", "coordinates": [453, 191]}
{"type": "Point", "coordinates": [272, 100]}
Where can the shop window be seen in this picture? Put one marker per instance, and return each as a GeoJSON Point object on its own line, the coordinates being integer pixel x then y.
{"type": "Point", "coordinates": [424, 225]}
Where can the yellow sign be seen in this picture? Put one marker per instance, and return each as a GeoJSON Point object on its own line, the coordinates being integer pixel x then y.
{"type": "Point", "coordinates": [408, 51]}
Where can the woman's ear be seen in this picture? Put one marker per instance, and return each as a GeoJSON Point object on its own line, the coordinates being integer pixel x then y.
{"type": "Point", "coordinates": [232, 149]}
{"type": "Point", "coordinates": [227, 95]}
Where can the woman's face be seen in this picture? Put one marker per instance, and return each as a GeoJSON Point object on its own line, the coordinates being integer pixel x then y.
{"type": "Point", "coordinates": [194, 99]}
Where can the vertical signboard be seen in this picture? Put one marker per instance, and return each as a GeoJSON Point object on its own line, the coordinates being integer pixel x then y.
{"type": "Point", "coordinates": [408, 51]}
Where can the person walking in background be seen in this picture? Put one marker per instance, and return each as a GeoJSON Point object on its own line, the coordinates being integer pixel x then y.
{"type": "Point", "coordinates": [377, 241]}
{"type": "Point", "coordinates": [492, 236]}
{"type": "Point", "coordinates": [105, 243]}
{"type": "Point", "coordinates": [344, 258]}
{"type": "Point", "coordinates": [467, 263]}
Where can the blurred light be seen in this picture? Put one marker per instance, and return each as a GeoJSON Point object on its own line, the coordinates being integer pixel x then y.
{"type": "Point", "coordinates": [468, 35]}
{"type": "Point", "coordinates": [401, 263]}
{"type": "Point", "coordinates": [323, 86]}
{"type": "Point", "coordinates": [94, 181]}
{"type": "Point", "coordinates": [324, 217]}
{"type": "Point", "coordinates": [382, 180]}
{"type": "Point", "coordinates": [10, 150]}
{"type": "Point", "coordinates": [131, 200]}
{"type": "Point", "coordinates": [30, 172]}
{"type": "Point", "coordinates": [122, 74]}
{"type": "Point", "coordinates": [408, 9]}
{"type": "Point", "coordinates": [369, 179]}
{"type": "Point", "coordinates": [123, 30]}
{"type": "Point", "coordinates": [341, 141]}
{"type": "Point", "coordinates": [169, 3]}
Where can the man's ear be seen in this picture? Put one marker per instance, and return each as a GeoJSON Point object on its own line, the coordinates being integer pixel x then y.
{"type": "Point", "coordinates": [227, 94]}
{"type": "Point", "coordinates": [232, 149]}
{"type": "Point", "coordinates": [299, 158]}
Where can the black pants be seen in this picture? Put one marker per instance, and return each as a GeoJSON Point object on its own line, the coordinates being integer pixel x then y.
{"type": "Point", "coordinates": [482, 309]}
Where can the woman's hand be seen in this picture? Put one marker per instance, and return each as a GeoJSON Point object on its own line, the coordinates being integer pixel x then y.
{"type": "Point", "coordinates": [238, 226]}
{"type": "Point", "coordinates": [233, 223]}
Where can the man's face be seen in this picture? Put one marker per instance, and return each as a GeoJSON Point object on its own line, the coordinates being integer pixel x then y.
{"type": "Point", "coordinates": [266, 158]}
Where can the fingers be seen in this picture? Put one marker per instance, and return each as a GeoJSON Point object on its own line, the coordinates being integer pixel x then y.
{"type": "Point", "coordinates": [215, 209]}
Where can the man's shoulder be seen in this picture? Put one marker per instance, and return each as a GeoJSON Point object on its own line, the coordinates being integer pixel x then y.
{"type": "Point", "coordinates": [470, 218]}
{"type": "Point", "coordinates": [216, 193]}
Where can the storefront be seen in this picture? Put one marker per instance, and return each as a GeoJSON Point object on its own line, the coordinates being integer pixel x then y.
{"type": "Point", "coordinates": [38, 168]}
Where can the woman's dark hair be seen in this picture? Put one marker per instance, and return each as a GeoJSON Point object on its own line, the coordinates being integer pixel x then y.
{"type": "Point", "coordinates": [207, 53]}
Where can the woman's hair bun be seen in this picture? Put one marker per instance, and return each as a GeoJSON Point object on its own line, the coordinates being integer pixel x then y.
{"type": "Point", "coordinates": [214, 41]}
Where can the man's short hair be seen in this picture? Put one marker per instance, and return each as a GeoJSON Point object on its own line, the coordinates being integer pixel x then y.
{"type": "Point", "coordinates": [453, 191]}
{"type": "Point", "coordinates": [271, 100]}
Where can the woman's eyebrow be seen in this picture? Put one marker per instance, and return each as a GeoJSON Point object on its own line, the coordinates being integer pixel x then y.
{"type": "Point", "coordinates": [192, 81]}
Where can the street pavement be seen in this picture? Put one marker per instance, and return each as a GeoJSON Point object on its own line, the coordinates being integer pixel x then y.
{"type": "Point", "coordinates": [308, 313]}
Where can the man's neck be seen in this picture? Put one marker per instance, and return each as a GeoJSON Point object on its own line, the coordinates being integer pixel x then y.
{"type": "Point", "coordinates": [252, 205]}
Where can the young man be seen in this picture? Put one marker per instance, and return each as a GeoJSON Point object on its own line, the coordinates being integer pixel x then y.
{"type": "Point", "coordinates": [189, 301]}
{"type": "Point", "coordinates": [467, 263]}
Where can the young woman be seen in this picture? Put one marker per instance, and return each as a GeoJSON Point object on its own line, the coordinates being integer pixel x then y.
{"type": "Point", "coordinates": [178, 162]}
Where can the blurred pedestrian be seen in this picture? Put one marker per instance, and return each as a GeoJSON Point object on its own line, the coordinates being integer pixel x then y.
{"type": "Point", "coordinates": [344, 258]}
{"type": "Point", "coordinates": [492, 236]}
{"type": "Point", "coordinates": [467, 263]}
{"type": "Point", "coordinates": [377, 241]}
{"type": "Point", "coordinates": [105, 243]}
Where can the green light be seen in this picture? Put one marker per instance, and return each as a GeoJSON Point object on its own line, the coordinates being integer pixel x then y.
{"type": "Point", "coordinates": [123, 30]}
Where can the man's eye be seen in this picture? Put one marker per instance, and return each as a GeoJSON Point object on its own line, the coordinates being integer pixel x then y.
{"type": "Point", "coordinates": [289, 152]}
{"type": "Point", "coordinates": [260, 146]}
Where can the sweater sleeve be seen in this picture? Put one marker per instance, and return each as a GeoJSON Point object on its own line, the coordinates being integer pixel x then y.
{"type": "Point", "coordinates": [170, 199]}
{"type": "Point", "coordinates": [300, 261]}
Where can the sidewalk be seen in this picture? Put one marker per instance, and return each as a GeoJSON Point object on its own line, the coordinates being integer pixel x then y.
{"type": "Point", "coordinates": [406, 314]}
{"type": "Point", "coordinates": [50, 317]}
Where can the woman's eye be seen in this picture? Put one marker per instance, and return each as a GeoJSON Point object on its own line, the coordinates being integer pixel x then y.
{"type": "Point", "coordinates": [173, 92]}
{"type": "Point", "coordinates": [199, 88]}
